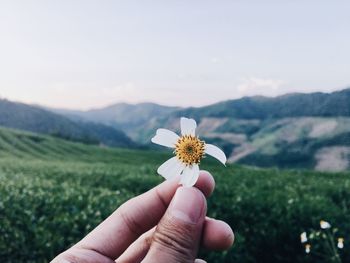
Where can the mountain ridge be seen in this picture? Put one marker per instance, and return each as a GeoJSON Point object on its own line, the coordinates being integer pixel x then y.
{"type": "Point", "coordinates": [35, 119]}
{"type": "Point", "coordinates": [296, 130]}
{"type": "Point", "coordinates": [290, 131]}
{"type": "Point", "coordinates": [288, 105]}
{"type": "Point", "coordinates": [249, 107]}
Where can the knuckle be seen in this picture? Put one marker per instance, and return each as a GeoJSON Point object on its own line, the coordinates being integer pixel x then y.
{"type": "Point", "coordinates": [148, 241]}
{"type": "Point", "coordinates": [129, 219]}
{"type": "Point", "coordinates": [176, 239]}
{"type": "Point", "coordinates": [67, 257]}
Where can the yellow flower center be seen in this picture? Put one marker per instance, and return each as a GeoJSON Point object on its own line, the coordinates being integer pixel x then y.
{"type": "Point", "coordinates": [189, 149]}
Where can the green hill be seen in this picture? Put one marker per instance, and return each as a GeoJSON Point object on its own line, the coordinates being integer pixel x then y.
{"type": "Point", "coordinates": [35, 119]}
{"type": "Point", "coordinates": [290, 131]}
{"type": "Point", "coordinates": [53, 192]}
{"type": "Point", "coordinates": [318, 104]}
{"type": "Point", "coordinates": [24, 146]}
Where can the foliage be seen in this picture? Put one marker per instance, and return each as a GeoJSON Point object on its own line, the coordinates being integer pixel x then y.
{"type": "Point", "coordinates": [53, 192]}
{"type": "Point", "coordinates": [325, 243]}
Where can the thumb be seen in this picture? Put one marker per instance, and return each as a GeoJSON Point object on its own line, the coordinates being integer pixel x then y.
{"type": "Point", "coordinates": [178, 234]}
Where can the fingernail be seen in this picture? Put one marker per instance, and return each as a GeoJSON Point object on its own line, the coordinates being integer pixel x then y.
{"type": "Point", "coordinates": [188, 205]}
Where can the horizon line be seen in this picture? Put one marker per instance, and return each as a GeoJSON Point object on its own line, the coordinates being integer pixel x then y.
{"type": "Point", "coordinates": [45, 106]}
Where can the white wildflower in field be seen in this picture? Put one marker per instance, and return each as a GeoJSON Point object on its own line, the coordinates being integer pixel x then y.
{"type": "Point", "coordinates": [340, 243]}
{"type": "Point", "coordinates": [303, 237]}
{"type": "Point", "coordinates": [189, 151]}
{"type": "Point", "coordinates": [307, 248]}
{"type": "Point", "coordinates": [327, 242]}
{"type": "Point", "coordinates": [324, 224]}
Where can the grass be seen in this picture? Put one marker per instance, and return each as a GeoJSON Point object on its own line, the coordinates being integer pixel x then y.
{"type": "Point", "coordinates": [53, 192]}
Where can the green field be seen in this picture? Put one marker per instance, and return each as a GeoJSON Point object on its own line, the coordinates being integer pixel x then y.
{"type": "Point", "coordinates": [53, 192]}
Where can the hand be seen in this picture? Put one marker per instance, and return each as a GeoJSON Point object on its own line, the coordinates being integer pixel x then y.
{"type": "Point", "coordinates": [165, 224]}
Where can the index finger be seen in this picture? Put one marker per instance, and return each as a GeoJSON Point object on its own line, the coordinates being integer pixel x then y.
{"type": "Point", "coordinates": [112, 237]}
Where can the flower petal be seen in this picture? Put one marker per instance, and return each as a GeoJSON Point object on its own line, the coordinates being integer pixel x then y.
{"type": "Point", "coordinates": [166, 138]}
{"type": "Point", "coordinates": [303, 237]}
{"type": "Point", "coordinates": [325, 224]}
{"type": "Point", "coordinates": [171, 168]}
{"type": "Point", "coordinates": [188, 126]}
{"type": "Point", "coordinates": [215, 152]}
{"type": "Point", "coordinates": [190, 175]}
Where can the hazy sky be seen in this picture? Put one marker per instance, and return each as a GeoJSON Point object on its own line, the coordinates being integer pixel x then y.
{"type": "Point", "coordinates": [83, 54]}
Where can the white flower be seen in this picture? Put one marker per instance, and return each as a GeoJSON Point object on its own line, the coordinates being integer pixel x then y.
{"type": "Point", "coordinates": [340, 243]}
{"type": "Point", "coordinates": [324, 224]}
{"type": "Point", "coordinates": [307, 248]}
{"type": "Point", "coordinates": [188, 150]}
{"type": "Point", "coordinates": [303, 237]}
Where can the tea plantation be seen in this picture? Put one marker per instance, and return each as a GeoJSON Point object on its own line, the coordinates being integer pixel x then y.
{"type": "Point", "coordinates": [53, 192]}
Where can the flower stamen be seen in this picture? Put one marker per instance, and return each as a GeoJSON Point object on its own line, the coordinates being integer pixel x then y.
{"type": "Point", "coordinates": [189, 149]}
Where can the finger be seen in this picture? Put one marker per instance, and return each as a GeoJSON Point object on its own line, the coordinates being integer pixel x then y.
{"type": "Point", "coordinates": [205, 183]}
{"type": "Point", "coordinates": [137, 250]}
{"type": "Point", "coordinates": [217, 235]}
{"type": "Point", "coordinates": [199, 261]}
{"type": "Point", "coordinates": [136, 216]}
{"type": "Point", "coordinates": [78, 255]}
{"type": "Point", "coordinates": [178, 234]}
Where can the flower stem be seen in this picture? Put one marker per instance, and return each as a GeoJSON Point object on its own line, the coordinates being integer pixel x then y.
{"type": "Point", "coordinates": [334, 249]}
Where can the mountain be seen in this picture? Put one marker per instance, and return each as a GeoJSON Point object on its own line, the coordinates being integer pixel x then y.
{"type": "Point", "coordinates": [124, 116]}
{"type": "Point", "coordinates": [30, 118]}
{"type": "Point", "coordinates": [290, 131]}
{"type": "Point", "coordinates": [318, 104]}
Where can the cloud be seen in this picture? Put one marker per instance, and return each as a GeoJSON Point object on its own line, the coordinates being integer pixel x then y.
{"type": "Point", "coordinates": [263, 86]}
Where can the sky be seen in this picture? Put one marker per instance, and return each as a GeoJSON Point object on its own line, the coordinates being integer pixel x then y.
{"type": "Point", "coordinates": [82, 54]}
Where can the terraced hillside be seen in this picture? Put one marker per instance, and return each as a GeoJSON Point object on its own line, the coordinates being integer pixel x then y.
{"type": "Point", "coordinates": [26, 145]}
{"type": "Point", "coordinates": [309, 131]}
{"type": "Point", "coordinates": [318, 143]}
{"type": "Point", "coordinates": [53, 192]}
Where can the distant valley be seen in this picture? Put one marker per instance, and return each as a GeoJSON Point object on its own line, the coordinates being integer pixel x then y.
{"type": "Point", "coordinates": [307, 131]}
{"type": "Point", "coordinates": [310, 131]}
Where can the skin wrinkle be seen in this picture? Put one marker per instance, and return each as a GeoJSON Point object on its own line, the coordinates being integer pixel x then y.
{"type": "Point", "coordinates": [131, 223]}
{"type": "Point", "coordinates": [82, 255]}
{"type": "Point", "coordinates": [138, 250]}
{"type": "Point", "coordinates": [163, 239]}
{"type": "Point", "coordinates": [160, 197]}
{"type": "Point", "coordinates": [177, 238]}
